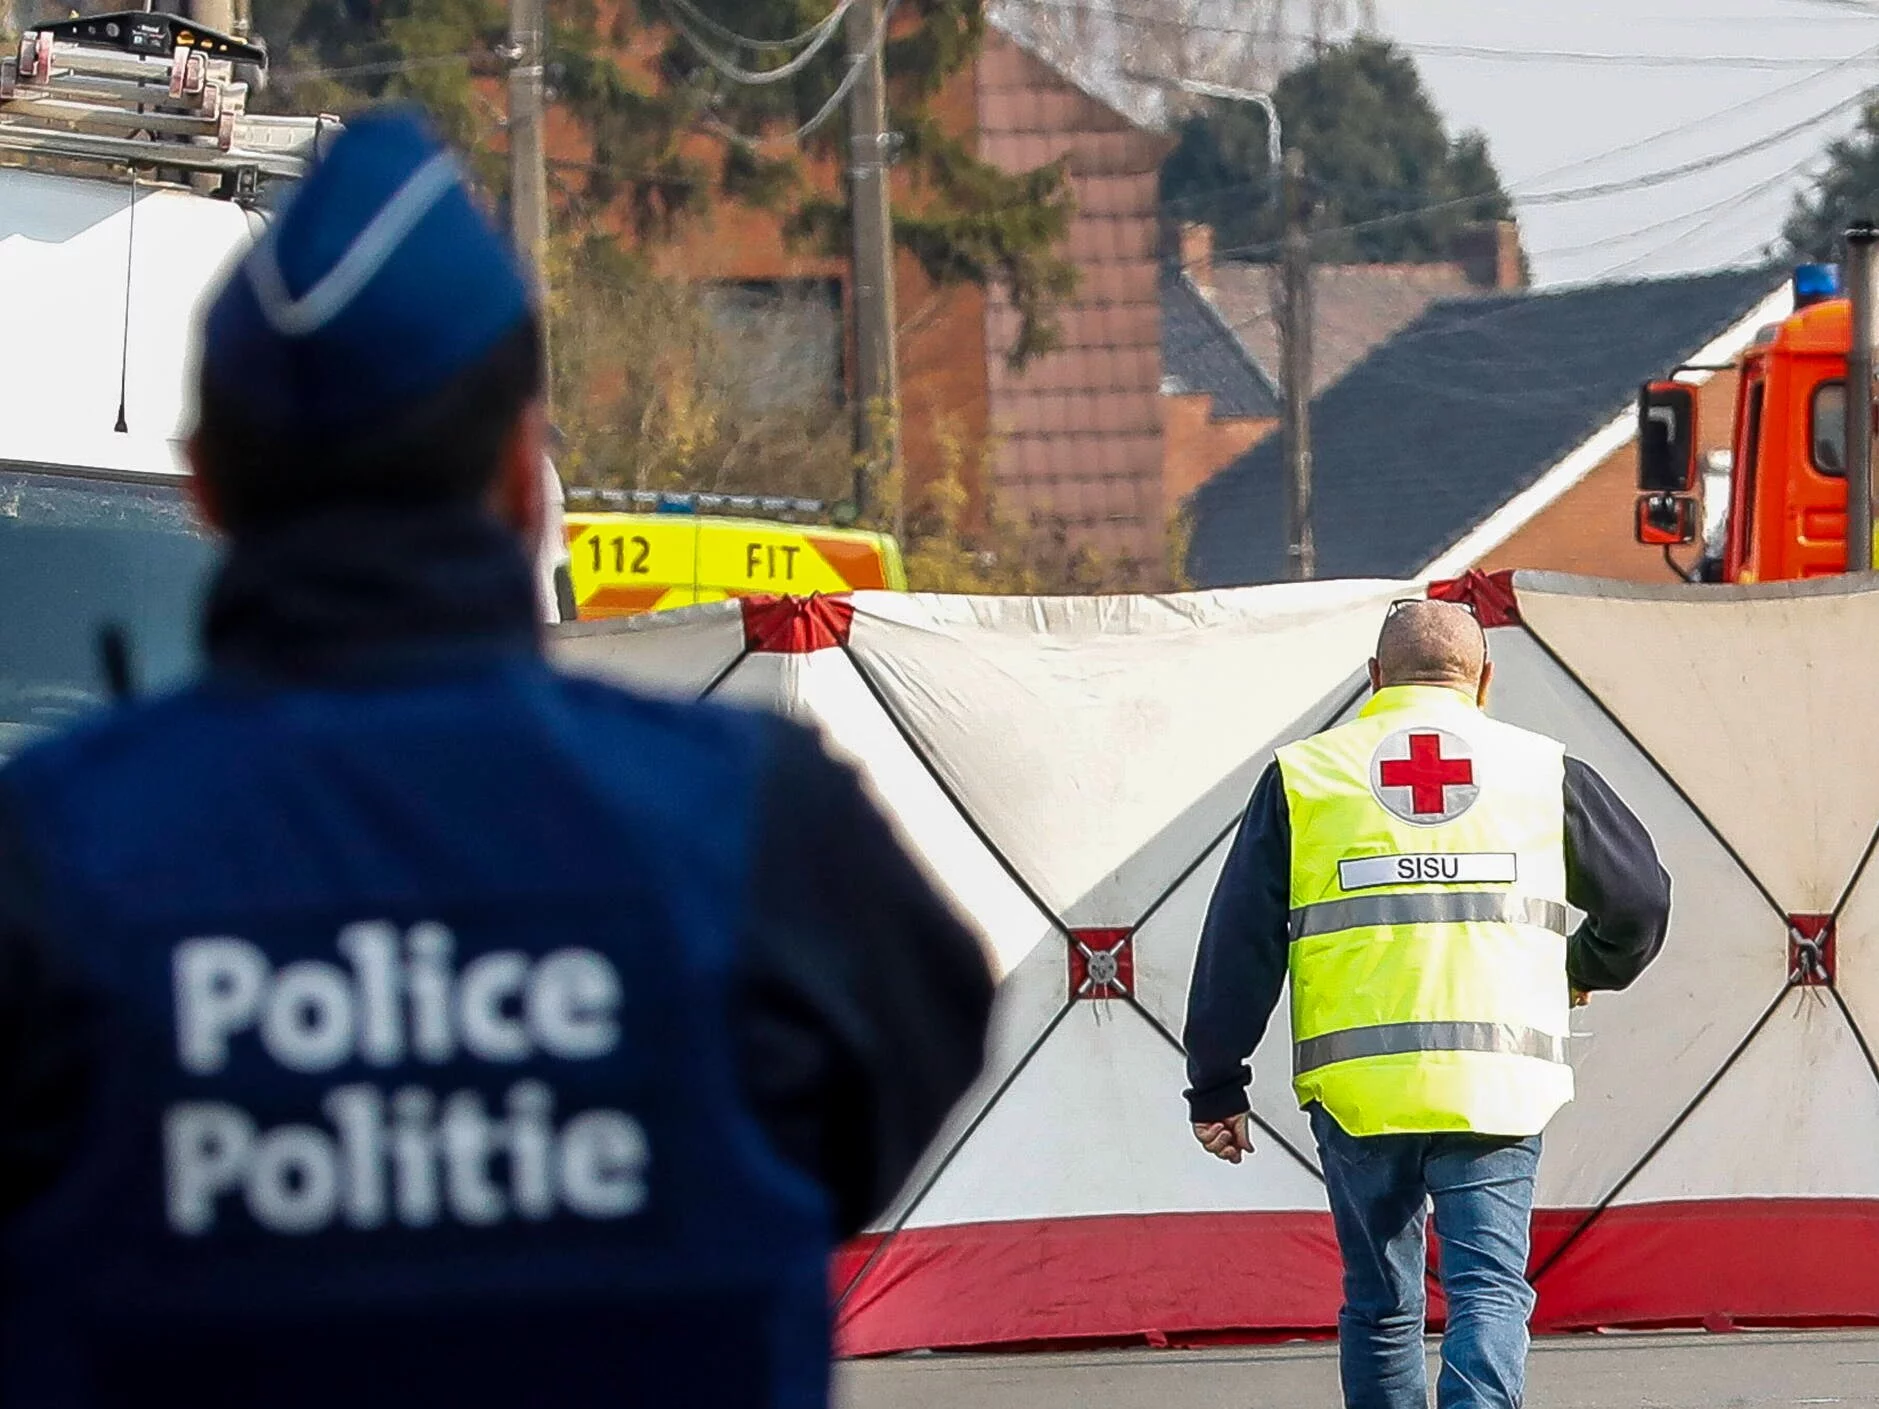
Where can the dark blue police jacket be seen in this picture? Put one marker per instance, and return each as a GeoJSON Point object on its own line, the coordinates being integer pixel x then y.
{"type": "Point", "coordinates": [406, 962]}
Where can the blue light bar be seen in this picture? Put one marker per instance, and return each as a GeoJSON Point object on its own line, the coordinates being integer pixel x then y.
{"type": "Point", "coordinates": [678, 503]}
{"type": "Point", "coordinates": [1815, 283]}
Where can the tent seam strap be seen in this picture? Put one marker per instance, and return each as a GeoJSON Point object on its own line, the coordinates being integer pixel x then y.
{"type": "Point", "coordinates": [1599, 1209]}
{"type": "Point", "coordinates": [1662, 772]}
{"type": "Point", "coordinates": [1155, 905]}
{"type": "Point", "coordinates": [965, 1136]}
{"type": "Point", "coordinates": [1859, 1033]}
{"type": "Point", "coordinates": [1859, 871]}
{"type": "Point", "coordinates": [958, 804]}
{"type": "Point", "coordinates": [725, 674]}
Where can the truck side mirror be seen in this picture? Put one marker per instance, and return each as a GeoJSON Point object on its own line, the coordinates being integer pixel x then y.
{"type": "Point", "coordinates": [1667, 461]}
{"type": "Point", "coordinates": [1666, 520]}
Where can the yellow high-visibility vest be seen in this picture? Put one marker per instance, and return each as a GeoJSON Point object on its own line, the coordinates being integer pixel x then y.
{"type": "Point", "coordinates": [1429, 919]}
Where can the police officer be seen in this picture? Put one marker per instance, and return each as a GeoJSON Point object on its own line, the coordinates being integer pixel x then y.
{"type": "Point", "coordinates": [388, 1020]}
{"type": "Point", "coordinates": [1412, 870]}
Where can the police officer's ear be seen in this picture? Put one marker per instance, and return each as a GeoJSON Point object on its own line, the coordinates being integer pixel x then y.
{"type": "Point", "coordinates": [1376, 675]}
{"type": "Point", "coordinates": [516, 495]}
{"type": "Point", "coordinates": [1487, 678]}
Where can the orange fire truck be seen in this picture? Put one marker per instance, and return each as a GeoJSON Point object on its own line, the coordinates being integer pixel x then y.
{"type": "Point", "coordinates": [1779, 511]}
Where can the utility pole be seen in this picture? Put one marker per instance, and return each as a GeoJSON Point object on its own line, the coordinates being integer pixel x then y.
{"type": "Point", "coordinates": [1859, 388]}
{"type": "Point", "coordinates": [219, 15]}
{"type": "Point", "coordinates": [877, 381]}
{"type": "Point", "coordinates": [1295, 327]}
{"type": "Point", "coordinates": [528, 176]}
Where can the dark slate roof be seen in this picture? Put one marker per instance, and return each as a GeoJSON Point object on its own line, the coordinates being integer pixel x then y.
{"type": "Point", "coordinates": [1199, 352]}
{"type": "Point", "coordinates": [1355, 308]}
{"type": "Point", "coordinates": [1460, 411]}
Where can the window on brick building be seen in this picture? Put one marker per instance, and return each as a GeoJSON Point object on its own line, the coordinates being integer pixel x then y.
{"type": "Point", "coordinates": [781, 340]}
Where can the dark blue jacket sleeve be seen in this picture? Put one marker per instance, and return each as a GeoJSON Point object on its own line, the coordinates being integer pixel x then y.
{"type": "Point", "coordinates": [1613, 874]}
{"type": "Point", "coordinates": [1239, 972]}
{"type": "Point", "coordinates": [864, 1001]}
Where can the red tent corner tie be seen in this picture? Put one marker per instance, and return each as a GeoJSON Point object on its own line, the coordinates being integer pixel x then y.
{"type": "Point", "coordinates": [1102, 964]}
{"type": "Point", "coordinates": [1812, 962]}
{"type": "Point", "coordinates": [1491, 594]}
{"type": "Point", "coordinates": [796, 625]}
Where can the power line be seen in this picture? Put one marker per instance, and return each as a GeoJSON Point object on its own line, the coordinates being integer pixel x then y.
{"type": "Point", "coordinates": [731, 36]}
{"type": "Point", "coordinates": [1572, 195]}
{"type": "Point", "coordinates": [857, 69]}
{"type": "Point", "coordinates": [1579, 164]}
{"type": "Point", "coordinates": [1482, 321]}
{"type": "Point", "coordinates": [1465, 51]}
{"type": "Point", "coordinates": [1851, 15]}
{"type": "Point", "coordinates": [1710, 163]}
{"type": "Point", "coordinates": [676, 11]}
{"type": "Point", "coordinates": [1627, 236]}
{"type": "Point", "coordinates": [1708, 217]}
{"type": "Point", "coordinates": [1732, 110]}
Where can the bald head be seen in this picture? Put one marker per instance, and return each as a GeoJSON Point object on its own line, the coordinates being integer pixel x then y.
{"type": "Point", "coordinates": [1431, 643]}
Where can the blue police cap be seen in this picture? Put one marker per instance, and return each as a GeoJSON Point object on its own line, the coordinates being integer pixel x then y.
{"type": "Point", "coordinates": [379, 281]}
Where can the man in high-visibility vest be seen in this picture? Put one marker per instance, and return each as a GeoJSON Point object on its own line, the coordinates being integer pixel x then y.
{"type": "Point", "coordinates": [1415, 870]}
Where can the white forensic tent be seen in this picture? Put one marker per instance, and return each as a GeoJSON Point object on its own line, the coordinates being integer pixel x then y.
{"type": "Point", "coordinates": [1070, 772]}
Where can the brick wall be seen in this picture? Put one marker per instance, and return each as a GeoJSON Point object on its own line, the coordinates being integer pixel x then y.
{"type": "Point", "coordinates": [1587, 530]}
{"type": "Point", "coordinates": [1196, 446]}
{"type": "Point", "coordinates": [1078, 434]}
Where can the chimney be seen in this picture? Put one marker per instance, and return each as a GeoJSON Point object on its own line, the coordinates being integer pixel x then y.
{"type": "Point", "coordinates": [1489, 255]}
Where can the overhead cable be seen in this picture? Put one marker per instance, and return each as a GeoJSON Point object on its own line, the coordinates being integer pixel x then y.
{"type": "Point", "coordinates": [1465, 51]}
{"type": "Point", "coordinates": [1263, 184]}
{"type": "Point", "coordinates": [857, 65]}
{"type": "Point", "coordinates": [1645, 181]}
{"type": "Point", "coordinates": [743, 41]}
{"type": "Point", "coordinates": [756, 78]}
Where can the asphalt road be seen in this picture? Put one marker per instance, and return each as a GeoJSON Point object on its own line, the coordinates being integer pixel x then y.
{"type": "Point", "coordinates": [1590, 1372]}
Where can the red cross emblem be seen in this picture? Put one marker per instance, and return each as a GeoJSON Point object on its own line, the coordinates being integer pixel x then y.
{"type": "Point", "coordinates": [1424, 775]}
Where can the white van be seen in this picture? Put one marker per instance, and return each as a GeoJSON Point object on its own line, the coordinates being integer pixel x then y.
{"type": "Point", "coordinates": [104, 281]}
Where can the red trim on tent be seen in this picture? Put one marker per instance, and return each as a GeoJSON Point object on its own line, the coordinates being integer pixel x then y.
{"type": "Point", "coordinates": [1715, 1263]}
{"type": "Point", "coordinates": [1109, 1278]}
{"type": "Point", "coordinates": [1190, 1278]}
{"type": "Point", "coordinates": [1491, 594]}
{"type": "Point", "coordinates": [796, 625]}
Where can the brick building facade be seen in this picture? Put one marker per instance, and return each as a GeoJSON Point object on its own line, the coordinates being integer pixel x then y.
{"type": "Point", "coordinates": [1079, 436]}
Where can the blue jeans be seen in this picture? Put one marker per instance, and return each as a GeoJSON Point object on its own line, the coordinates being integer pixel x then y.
{"type": "Point", "coordinates": [1380, 1188]}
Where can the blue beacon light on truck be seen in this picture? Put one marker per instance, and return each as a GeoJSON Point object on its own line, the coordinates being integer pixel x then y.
{"type": "Point", "coordinates": [1815, 283]}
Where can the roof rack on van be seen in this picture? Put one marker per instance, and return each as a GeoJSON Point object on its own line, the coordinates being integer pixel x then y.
{"type": "Point", "coordinates": [150, 91]}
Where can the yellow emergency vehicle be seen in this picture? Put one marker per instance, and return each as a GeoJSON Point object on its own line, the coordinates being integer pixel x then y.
{"type": "Point", "coordinates": [625, 564]}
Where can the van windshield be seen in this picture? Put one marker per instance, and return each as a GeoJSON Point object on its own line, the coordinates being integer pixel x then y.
{"type": "Point", "coordinates": [81, 553]}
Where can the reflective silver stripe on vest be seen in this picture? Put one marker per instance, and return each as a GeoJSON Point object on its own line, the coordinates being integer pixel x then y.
{"type": "Point", "coordinates": [1392, 1039]}
{"type": "Point", "coordinates": [1429, 907]}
